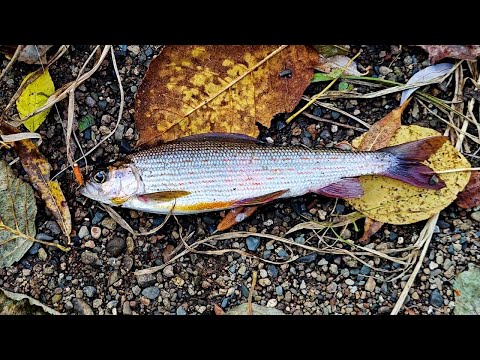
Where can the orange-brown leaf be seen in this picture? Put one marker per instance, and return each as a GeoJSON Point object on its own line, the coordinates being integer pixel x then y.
{"type": "Point", "coordinates": [379, 135]}
{"type": "Point", "coordinates": [38, 170]}
{"type": "Point", "coordinates": [371, 227]}
{"type": "Point", "coordinates": [183, 77]}
{"type": "Point", "coordinates": [470, 196]}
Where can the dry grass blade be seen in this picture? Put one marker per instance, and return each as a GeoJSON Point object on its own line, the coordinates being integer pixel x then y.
{"type": "Point", "coordinates": [22, 136]}
{"type": "Point", "coordinates": [334, 108]}
{"type": "Point", "coordinates": [14, 58]}
{"type": "Point", "coordinates": [250, 293]}
{"type": "Point", "coordinates": [313, 117]}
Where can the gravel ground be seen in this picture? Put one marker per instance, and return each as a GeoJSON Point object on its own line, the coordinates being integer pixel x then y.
{"type": "Point", "coordinates": [97, 276]}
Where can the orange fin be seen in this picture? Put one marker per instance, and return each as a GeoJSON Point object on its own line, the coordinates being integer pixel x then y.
{"type": "Point", "coordinates": [120, 200]}
{"type": "Point", "coordinates": [261, 199]}
{"type": "Point", "coordinates": [164, 195]}
{"type": "Point", "coordinates": [236, 216]}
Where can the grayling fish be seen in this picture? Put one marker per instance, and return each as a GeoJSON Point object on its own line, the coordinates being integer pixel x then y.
{"type": "Point", "coordinates": [213, 172]}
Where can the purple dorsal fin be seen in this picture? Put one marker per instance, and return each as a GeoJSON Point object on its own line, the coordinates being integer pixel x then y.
{"type": "Point", "coordinates": [345, 188]}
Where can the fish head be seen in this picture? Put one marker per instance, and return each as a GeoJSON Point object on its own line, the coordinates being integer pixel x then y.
{"type": "Point", "coordinates": [113, 185]}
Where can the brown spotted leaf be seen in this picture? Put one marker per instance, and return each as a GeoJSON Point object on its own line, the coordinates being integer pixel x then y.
{"type": "Point", "coordinates": [371, 227]}
{"type": "Point", "coordinates": [462, 52]}
{"type": "Point", "coordinates": [470, 196]}
{"type": "Point", "coordinates": [38, 170]}
{"type": "Point", "coordinates": [182, 78]}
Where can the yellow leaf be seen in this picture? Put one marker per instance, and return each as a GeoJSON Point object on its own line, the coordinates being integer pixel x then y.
{"type": "Point", "coordinates": [395, 202]}
{"type": "Point", "coordinates": [183, 78]}
{"type": "Point", "coordinates": [33, 97]}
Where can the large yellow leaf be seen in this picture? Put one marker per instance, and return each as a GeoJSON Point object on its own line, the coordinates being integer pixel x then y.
{"type": "Point", "coordinates": [183, 77]}
{"type": "Point", "coordinates": [33, 97]}
{"type": "Point", "coordinates": [395, 202]}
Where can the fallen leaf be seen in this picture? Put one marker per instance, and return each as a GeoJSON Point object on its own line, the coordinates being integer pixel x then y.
{"type": "Point", "coordinates": [428, 74]}
{"type": "Point", "coordinates": [337, 62]}
{"type": "Point", "coordinates": [331, 50]}
{"type": "Point", "coordinates": [34, 96]}
{"type": "Point", "coordinates": [167, 252]}
{"type": "Point", "coordinates": [38, 170]}
{"type": "Point", "coordinates": [17, 216]}
{"type": "Point", "coordinates": [19, 304]}
{"type": "Point", "coordinates": [218, 310]}
{"type": "Point", "coordinates": [257, 310]}
{"type": "Point", "coordinates": [86, 122]}
{"type": "Point", "coordinates": [467, 292]}
{"type": "Point", "coordinates": [371, 227]}
{"type": "Point", "coordinates": [380, 133]}
{"type": "Point", "coordinates": [395, 202]}
{"type": "Point", "coordinates": [463, 52]}
{"type": "Point", "coordinates": [34, 54]}
{"type": "Point", "coordinates": [182, 78]}
{"type": "Point", "coordinates": [470, 196]}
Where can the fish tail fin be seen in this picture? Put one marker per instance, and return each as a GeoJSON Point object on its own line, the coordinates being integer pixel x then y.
{"type": "Point", "coordinates": [408, 167]}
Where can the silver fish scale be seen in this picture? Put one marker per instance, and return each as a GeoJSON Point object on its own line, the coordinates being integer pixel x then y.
{"type": "Point", "coordinates": [216, 171]}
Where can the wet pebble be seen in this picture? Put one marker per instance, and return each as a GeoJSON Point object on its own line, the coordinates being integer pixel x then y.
{"type": "Point", "coordinates": [145, 280]}
{"type": "Point", "coordinates": [88, 257]}
{"type": "Point", "coordinates": [42, 254]}
{"type": "Point", "coordinates": [96, 232]}
{"type": "Point", "coordinates": [272, 271]}
{"type": "Point", "coordinates": [97, 218]}
{"type": "Point", "coordinates": [436, 298]}
{"type": "Point", "coordinates": [151, 292]}
{"type": "Point", "coordinates": [279, 290]}
{"type": "Point", "coordinates": [116, 246]}
{"type": "Point", "coordinates": [307, 259]}
{"type": "Point", "coordinates": [81, 307]}
{"type": "Point", "coordinates": [83, 232]}
{"type": "Point", "coordinates": [476, 216]}
{"type": "Point", "coordinates": [168, 271]}
{"type": "Point", "coordinates": [53, 227]}
{"type": "Point", "coordinates": [89, 101]}
{"type": "Point", "coordinates": [181, 311]}
{"type": "Point", "coordinates": [89, 291]}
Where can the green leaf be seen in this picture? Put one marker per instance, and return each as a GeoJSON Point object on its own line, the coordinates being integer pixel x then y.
{"type": "Point", "coordinates": [17, 216]}
{"type": "Point", "coordinates": [19, 304]}
{"type": "Point", "coordinates": [85, 122]}
{"type": "Point", "coordinates": [342, 86]}
{"type": "Point", "coordinates": [467, 292]}
{"type": "Point", "coordinates": [256, 310]}
{"type": "Point", "coordinates": [33, 97]}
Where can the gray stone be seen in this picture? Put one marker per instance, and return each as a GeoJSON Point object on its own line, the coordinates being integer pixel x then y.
{"type": "Point", "coordinates": [253, 243]}
{"type": "Point", "coordinates": [279, 290]}
{"type": "Point", "coordinates": [168, 271]}
{"type": "Point", "coordinates": [151, 292]}
{"type": "Point", "coordinates": [53, 227]}
{"type": "Point", "coordinates": [332, 287]}
{"type": "Point", "coordinates": [181, 311]}
{"type": "Point", "coordinates": [83, 232]}
{"type": "Point", "coordinates": [433, 265]}
{"type": "Point", "coordinates": [81, 307]}
{"type": "Point", "coordinates": [42, 254]}
{"type": "Point", "coordinates": [436, 298]}
{"type": "Point", "coordinates": [476, 216]}
{"type": "Point", "coordinates": [126, 310]}
{"type": "Point", "coordinates": [145, 280]}
{"type": "Point", "coordinates": [333, 269]}
{"type": "Point", "coordinates": [116, 246]}
{"type": "Point", "coordinates": [97, 303]}
{"type": "Point", "coordinates": [384, 70]}
{"type": "Point", "coordinates": [119, 132]}
{"type": "Point", "coordinates": [89, 101]}
{"type": "Point", "coordinates": [370, 285]}
{"type": "Point", "coordinates": [89, 291]}
{"type": "Point", "coordinates": [136, 290]}
{"type": "Point", "coordinates": [88, 257]}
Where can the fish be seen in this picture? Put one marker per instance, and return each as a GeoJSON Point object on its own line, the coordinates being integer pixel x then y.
{"type": "Point", "coordinates": [217, 171]}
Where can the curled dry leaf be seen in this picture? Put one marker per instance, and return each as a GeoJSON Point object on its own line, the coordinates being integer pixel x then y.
{"type": "Point", "coordinates": [33, 97]}
{"type": "Point", "coordinates": [38, 170]}
{"type": "Point", "coordinates": [470, 196]}
{"type": "Point", "coordinates": [257, 310]}
{"type": "Point", "coordinates": [182, 78]}
{"type": "Point", "coordinates": [395, 202]}
{"type": "Point", "coordinates": [328, 65]}
{"type": "Point", "coordinates": [19, 304]}
{"type": "Point", "coordinates": [428, 74]}
{"type": "Point", "coordinates": [371, 227]}
{"type": "Point", "coordinates": [17, 216]}
{"type": "Point", "coordinates": [462, 52]}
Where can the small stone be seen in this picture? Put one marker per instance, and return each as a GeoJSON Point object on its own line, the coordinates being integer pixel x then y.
{"type": "Point", "coordinates": [272, 271]}
{"type": "Point", "coordinates": [335, 115]}
{"type": "Point", "coordinates": [89, 101]}
{"type": "Point", "coordinates": [81, 307]}
{"type": "Point", "coordinates": [253, 243]}
{"type": "Point", "coordinates": [116, 246]}
{"type": "Point", "coordinates": [303, 285]}
{"type": "Point", "coordinates": [119, 132]}
{"type": "Point", "coordinates": [181, 311]}
{"type": "Point", "coordinates": [127, 262]}
{"type": "Point", "coordinates": [279, 290]}
{"type": "Point", "coordinates": [384, 70]}
{"type": "Point", "coordinates": [269, 222]}
{"type": "Point", "coordinates": [457, 247]}
{"type": "Point", "coordinates": [415, 296]}
{"type": "Point", "coordinates": [168, 271]}
{"type": "Point", "coordinates": [136, 290]}
{"type": "Point", "coordinates": [322, 262]}
{"type": "Point", "coordinates": [476, 216]}
{"type": "Point", "coordinates": [151, 292]}
{"type": "Point", "coordinates": [96, 232]}
{"type": "Point", "coordinates": [349, 282]}
{"type": "Point", "coordinates": [53, 227]}
{"type": "Point", "coordinates": [433, 265]}
{"type": "Point", "coordinates": [114, 277]}
{"type": "Point", "coordinates": [272, 303]}
{"type": "Point", "coordinates": [135, 49]}
{"type": "Point", "coordinates": [97, 303]}
{"type": "Point", "coordinates": [130, 244]}
{"type": "Point", "coordinates": [370, 285]}
{"type": "Point", "coordinates": [83, 232]}
{"type": "Point", "coordinates": [97, 218]}
{"type": "Point", "coordinates": [89, 291]}
{"type": "Point", "coordinates": [242, 270]}
{"type": "Point", "coordinates": [224, 303]}
{"type": "Point", "coordinates": [263, 273]}
{"type": "Point", "coordinates": [42, 254]}
{"type": "Point", "coordinates": [443, 224]}
{"type": "Point", "coordinates": [88, 257]}
{"type": "Point", "coordinates": [300, 239]}
{"type": "Point", "coordinates": [126, 310]}
{"type": "Point", "coordinates": [264, 282]}
{"type": "Point", "coordinates": [109, 223]}
{"type": "Point", "coordinates": [332, 287]}
{"type": "Point", "coordinates": [178, 281]}
{"type": "Point", "coordinates": [436, 298]}
{"type": "Point", "coordinates": [333, 269]}
{"type": "Point", "coordinates": [288, 296]}
{"type": "Point", "coordinates": [145, 280]}
{"type": "Point", "coordinates": [89, 244]}
{"type": "Point", "coordinates": [365, 270]}
{"type": "Point", "coordinates": [307, 259]}
{"type": "Point", "coordinates": [56, 298]}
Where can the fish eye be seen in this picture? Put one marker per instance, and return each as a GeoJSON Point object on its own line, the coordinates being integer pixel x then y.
{"type": "Point", "coordinates": [100, 177]}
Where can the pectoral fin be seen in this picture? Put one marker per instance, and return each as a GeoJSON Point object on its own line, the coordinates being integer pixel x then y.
{"type": "Point", "coordinates": [235, 216]}
{"type": "Point", "coordinates": [164, 195]}
{"type": "Point", "coordinates": [258, 200]}
{"type": "Point", "coordinates": [345, 188]}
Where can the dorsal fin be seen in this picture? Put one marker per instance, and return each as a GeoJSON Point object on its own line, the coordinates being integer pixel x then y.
{"type": "Point", "coordinates": [218, 136]}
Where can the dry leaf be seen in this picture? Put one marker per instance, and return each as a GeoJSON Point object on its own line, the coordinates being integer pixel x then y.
{"type": "Point", "coordinates": [167, 252]}
{"type": "Point", "coordinates": [33, 97]}
{"type": "Point", "coordinates": [395, 202]}
{"type": "Point", "coordinates": [19, 304]}
{"type": "Point", "coordinates": [428, 74]}
{"type": "Point", "coordinates": [17, 216]}
{"type": "Point", "coordinates": [38, 170]}
{"type": "Point", "coordinates": [463, 52]}
{"type": "Point", "coordinates": [470, 196]}
{"type": "Point", "coordinates": [257, 310]}
{"type": "Point", "coordinates": [328, 65]}
{"type": "Point", "coordinates": [371, 227]}
{"type": "Point", "coordinates": [183, 77]}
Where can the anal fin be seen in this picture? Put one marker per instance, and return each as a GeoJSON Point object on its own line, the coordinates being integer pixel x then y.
{"type": "Point", "coordinates": [258, 200]}
{"type": "Point", "coordinates": [345, 188]}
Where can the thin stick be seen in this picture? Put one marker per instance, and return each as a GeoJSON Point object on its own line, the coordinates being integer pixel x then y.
{"type": "Point", "coordinates": [250, 293]}
{"type": "Point", "coordinates": [332, 122]}
{"type": "Point", "coordinates": [457, 170]}
{"type": "Point", "coordinates": [14, 58]}
{"type": "Point", "coordinates": [317, 96]}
